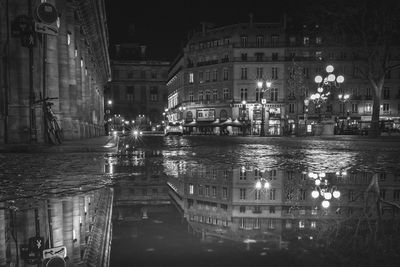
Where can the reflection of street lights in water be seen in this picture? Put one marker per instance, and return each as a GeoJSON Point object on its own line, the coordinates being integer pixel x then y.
{"type": "Point", "coordinates": [262, 183]}
{"type": "Point", "coordinates": [323, 190]}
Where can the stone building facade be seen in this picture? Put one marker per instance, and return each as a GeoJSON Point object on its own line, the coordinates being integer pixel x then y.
{"type": "Point", "coordinates": [219, 68]}
{"type": "Point", "coordinates": [70, 64]}
{"type": "Point", "coordinates": [138, 88]}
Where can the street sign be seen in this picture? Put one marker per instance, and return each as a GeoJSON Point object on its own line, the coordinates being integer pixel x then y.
{"type": "Point", "coordinates": [46, 13]}
{"type": "Point", "coordinates": [55, 252]}
{"type": "Point", "coordinates": [46, 28]}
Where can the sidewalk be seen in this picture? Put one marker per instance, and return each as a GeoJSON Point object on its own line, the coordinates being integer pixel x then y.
{"type": "Point", "coordinates": [97, 144]}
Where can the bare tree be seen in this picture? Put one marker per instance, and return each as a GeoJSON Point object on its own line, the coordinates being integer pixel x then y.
{"type": "Point", "coordinates": [371, 29]}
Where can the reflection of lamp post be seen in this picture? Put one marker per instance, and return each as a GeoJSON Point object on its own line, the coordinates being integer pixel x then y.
{"type": "Point", "coordinates": [306, 103]}
{"type": "Point", "coordinates": [262, 183]}
{"type": "Point", "coordinates": [323, 190]}
{"type": "Point", "coordinates": [243, 115]}
{"type": "Point", "coordinates": [263, 86]}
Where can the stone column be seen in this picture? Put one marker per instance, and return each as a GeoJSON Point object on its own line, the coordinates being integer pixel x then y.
{"type": "Point", "coordinates": [68, 228]}
{"type": "Point", "coordinates": [56, 222]}
{"type": "Point", "coordinates": [63, 70]}
{"type": "Point", "coordinates": [72, 62]}
{"type": "Point", "coordinates": [78, 72]}
{"type": "Point", "coordinates": [2, 235]}
{"type": "Point", "coordinates": [18, 107]}
{"type": "Point", "coordinates": [82, 221]}
{"type": "Point", "coordinates": [76, 213]}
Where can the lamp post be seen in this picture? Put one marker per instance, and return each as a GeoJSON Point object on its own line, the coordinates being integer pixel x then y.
{"type": "Point", "coordinates": [343, 98]}
{"type": "Point", "coordinates": [325, 85]}
{"type": "Point", "coordinates": [263, 87]}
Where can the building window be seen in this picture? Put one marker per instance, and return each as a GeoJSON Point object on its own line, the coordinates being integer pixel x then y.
{"type": "Point", "coordinates": [274, 73]}
{"type": "Point", "coordinates": [224, 192]}
{"type": "Point", "coordinates": [243, 94]}
{"type": "Point", "coordinates": [386, 107]}
{"type": "Point", "coordinates": [386, 93]}
{"type": "Point", "coordinates": [226, 94]}
{"type": "Point", "coordinates": [143, 74]}
{"type": "Point", "coordinates": [257, 195]}
{"type": "Point", "coordinates": [244, 73]}
{"type": "Point", "coordinates": [226, 74]}
{"type": "Point", "coordinates": [244, 56]}
{"type": "Point", "coordinates": [291, 107]}
{"type": "Point", "coordinates": [258, 95]}
{"type": "Point", "coordinates": [243, 41]}
{"type": "Point", "coordinates": [260, 41]}
{"type": "Point", "coordinates": [242, 209]}
{"type": "Point", "coordinates": [259, 73]}
{"type": "Point", "coordinates": [274, 40]}
{"type": "Point", "coordinates": [154, 93]}
{"type": "Point", "coordinates": [130, 93]}
{"type": "Point", "coordinates": [274, 56]}
{"type": "Point", "coordinates": [272, 194]}
{"type": "Point", "coordinates": [201, 97]}
{"type": "Point", "coordinates": [274, 94]}
{"type": "Point", "coordinates": [191, 96]}
{"type": "Point", "coordinates": [201, 77]}
{"type": "Point", "coordinates": [214, 191]}
{"type": "Point", "coordinates": [303, 194]}
{"type": "Point", "coordinates": [143, 94]}
{"type": "Point", "coordinates": [306, 72]}
{"type": "Point", "coordinates": [215, 75]}
{"type": "Point", "coordinates": [242, 174]}
{"type": "Point", "coordinates": [191, 77]}
{"type": "Point", "coordinates": [306, 40]}
{"type": "Point", "coordinates": [354, 107]}
{"type": "Point", "coordinates": [207, 193]}
{"type": "Point", "coordinates": [301, 224]}
{"type": "Point", "coordinates": [208, 95]}
{"type": "Point", "coordinates": [242, 193]}
{"type": "Point", "coordinates": [259, 56]}
{"type": "Point", "coordinates": [318, 40]}
{"type": "Point", "coordinates": [191, 189]}
{"type": "Point", "coordinates": [272, 209]}
{"type": "Point", "coordinates": [215, 94]}
{"type": "Point", "coordinates": [207, 75]}
{"type": "Point", "coordinates": [396, 195]}
{"type": "Point", "coordinates": [313, 224]}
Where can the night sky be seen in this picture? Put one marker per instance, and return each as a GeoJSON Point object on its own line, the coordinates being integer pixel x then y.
{"type": "Point", "coordinates": [163, 25]}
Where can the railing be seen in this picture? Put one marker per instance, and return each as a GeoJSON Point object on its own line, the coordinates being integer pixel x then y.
{"type": "Point", "coordinates": [206, 63]}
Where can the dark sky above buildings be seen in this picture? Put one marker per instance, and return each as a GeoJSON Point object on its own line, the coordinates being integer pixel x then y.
{"type": "Point", "coordinates": [164, 25]}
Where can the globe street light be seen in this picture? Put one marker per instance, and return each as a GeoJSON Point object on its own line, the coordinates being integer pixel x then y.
{"type": "Point", "coordinates": [263, 87]}
{"type": "Point", "coordinates": [325, 84]}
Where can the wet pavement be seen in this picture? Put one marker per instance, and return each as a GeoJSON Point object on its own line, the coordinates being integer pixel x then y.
{"type": "Point", "coordinates": [205, 201]}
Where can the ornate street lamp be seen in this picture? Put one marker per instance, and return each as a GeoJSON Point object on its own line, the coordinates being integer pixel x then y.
{"type": "Point", "coordinates": [263, 87]}
{"type": "Point", "coordinates": [343, 98]}
{"type": "Point", "coordinates": [325, 85]}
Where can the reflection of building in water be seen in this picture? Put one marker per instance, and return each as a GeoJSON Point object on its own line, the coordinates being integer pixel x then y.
{"type": "Point", "coordinates": [276, 206]}
{"type": "Point", "coordinates": [81, 223]}
{"type": "Point", "coordinates": [140, 185]}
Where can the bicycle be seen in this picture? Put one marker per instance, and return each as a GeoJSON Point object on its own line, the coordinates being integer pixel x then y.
{"type": "Point", "coordinates": [53, 130]}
